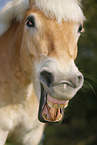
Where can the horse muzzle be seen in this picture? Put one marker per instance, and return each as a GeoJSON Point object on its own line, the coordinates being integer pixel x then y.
{"type": "Point", "coordinates": [56, 91]}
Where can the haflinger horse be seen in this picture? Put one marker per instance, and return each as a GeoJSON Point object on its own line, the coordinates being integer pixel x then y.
{"type": "Point", "coordinates": [38, 76]}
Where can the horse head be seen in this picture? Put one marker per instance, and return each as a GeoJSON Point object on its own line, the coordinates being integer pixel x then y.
{"type": "Point", "coordinates": [48, 51]}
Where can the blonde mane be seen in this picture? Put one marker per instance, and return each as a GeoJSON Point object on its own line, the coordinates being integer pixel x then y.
{"type": "Point", "coordinates": [67, 10]}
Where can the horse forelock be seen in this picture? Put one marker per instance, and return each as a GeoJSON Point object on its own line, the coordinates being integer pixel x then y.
{"type": "Point", "coordinates": [67, 10]}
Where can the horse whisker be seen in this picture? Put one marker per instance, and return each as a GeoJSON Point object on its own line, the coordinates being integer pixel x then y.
{"type": "Point", "coordinates": [91, 87]}
{"type": "Point", "coordinates": [90, 77]}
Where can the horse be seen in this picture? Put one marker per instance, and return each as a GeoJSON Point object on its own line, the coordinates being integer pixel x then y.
{"type": "Point", "coordinates": [38, 75]}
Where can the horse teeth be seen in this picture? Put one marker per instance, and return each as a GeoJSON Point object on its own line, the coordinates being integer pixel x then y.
{"type": "Point", "coordinates": [55, 106]}
{"type": "Point", "coordinates": [65, 86]}
{"type": "Point", "coordinates": [61, 106]}
{"type": "Point", "coordinates": [59, 117]}
{"type": "Point", "coordinates": [65, 105]}
{"type": "Point", "coordinates": [50, 104]}
{"type": "Point", "coordinates": [45, 116]}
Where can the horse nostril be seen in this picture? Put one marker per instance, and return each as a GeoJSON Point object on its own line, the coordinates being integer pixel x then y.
{"type": "Point", "coordinates": [80, 78]}
{"type": "Point", "coordinates": [78, 81]}
{"type": "Point", "coordinates": [46, 78]}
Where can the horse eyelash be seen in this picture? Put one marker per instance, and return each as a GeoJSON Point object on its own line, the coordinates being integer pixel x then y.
{"type": "Point", "coordinates": [81, 29]}
{"type": "Point", "coordinates": [30, 21]}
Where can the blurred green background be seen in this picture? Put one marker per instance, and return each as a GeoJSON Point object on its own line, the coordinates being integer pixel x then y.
{"type": "Point", "coordinates": [79, 126]}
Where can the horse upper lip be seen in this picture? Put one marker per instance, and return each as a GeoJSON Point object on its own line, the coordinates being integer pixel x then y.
{"type": "Point", "coordinates": [65, 83]}
{"type": "Point", "coordinates": [60, 83]}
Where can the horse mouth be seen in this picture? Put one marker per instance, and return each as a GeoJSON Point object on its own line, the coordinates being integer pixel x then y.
{"type": "Point", "coordinates": [50, 109]}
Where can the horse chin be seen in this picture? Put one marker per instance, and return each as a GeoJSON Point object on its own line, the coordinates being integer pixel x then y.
{"type": "Point", "coordinates": [51, 110]}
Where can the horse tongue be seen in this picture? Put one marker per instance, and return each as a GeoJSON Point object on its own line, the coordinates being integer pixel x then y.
{"type": "Point", "coordinates": [54, 113]}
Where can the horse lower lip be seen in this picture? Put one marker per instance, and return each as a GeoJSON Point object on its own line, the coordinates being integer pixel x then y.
{"type": "Point", "coordinates": [52, 114]}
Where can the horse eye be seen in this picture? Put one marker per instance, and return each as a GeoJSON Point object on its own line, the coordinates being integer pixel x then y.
{"type": "Point", "coordinates": [30, 21]}
{"type": "Point", "coordinates": [80, 28]}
